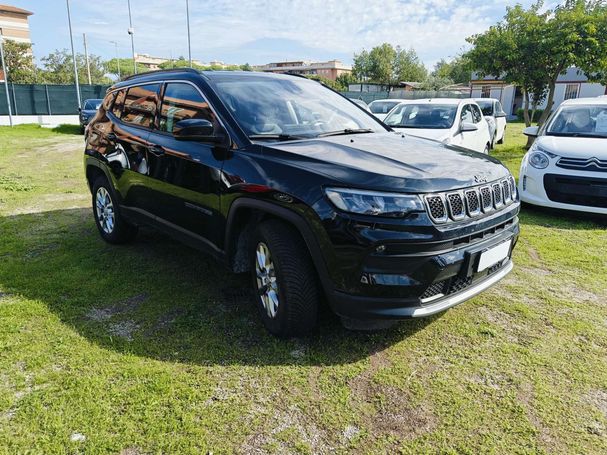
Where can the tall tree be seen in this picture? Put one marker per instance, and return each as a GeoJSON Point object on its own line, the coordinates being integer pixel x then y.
{"type": "Point", "coordinates": [407, 66]}
{"type": "Point", "coordinates": [381, 64]}
{"type": "Point", "coordinates": [361, 69]}
{"type": "Point", "coordinates": [18, 58]}
{"type": "Point", "coordinates": [458, 70]}
{"type": "Point", "coordinates": [126, 67]}
{"type": "Point", "coordinates": [59, 69]}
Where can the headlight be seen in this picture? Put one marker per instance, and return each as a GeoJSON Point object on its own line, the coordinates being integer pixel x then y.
{"type": "Point", "coordinates": [374, 203]}
{"type": "Point", "coordinates": [539, 160]}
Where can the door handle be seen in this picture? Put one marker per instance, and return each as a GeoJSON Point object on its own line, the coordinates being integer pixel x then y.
{"type": "Point", "coordinates": [156, 150]}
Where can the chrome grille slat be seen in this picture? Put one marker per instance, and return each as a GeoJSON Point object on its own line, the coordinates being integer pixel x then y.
{"type": "Point", "coordinates": [583, 164]}
{"type": "Point", "coordinates": [472, 202]}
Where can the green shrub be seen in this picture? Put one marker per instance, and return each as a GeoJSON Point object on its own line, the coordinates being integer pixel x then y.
{"type": "Point", "coordinates": [521, 116]}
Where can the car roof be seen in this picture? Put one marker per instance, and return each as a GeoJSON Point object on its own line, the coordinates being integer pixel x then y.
{"type": "Point", "coordinates": [449, 101]}
{"type": "Point", "coordinates": [599, 100]}
{"type": "Point", "coordinates": [486, 99]}
{"type": "Point", "coordinates": [397, 100]}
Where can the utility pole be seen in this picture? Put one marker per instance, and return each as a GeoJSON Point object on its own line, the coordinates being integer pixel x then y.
{"type": "Point", "coordinates": [86, 56]}
{"type": "Point", "coordinates": [132, 32]}
{"type": "Point", "coordinates": [4, 67]}
{"type": "Point", "coordinates": [69, 21]}
{"type": "Point", "coordinates": [187, 10]}
{"type": "Point", "coordinates": [117, 59]}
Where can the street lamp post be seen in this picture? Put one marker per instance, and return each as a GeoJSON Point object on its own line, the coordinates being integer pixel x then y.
{"type": "Point", "coordinates": [187, 10]}
{"type": "Point", "coordinates": [8, 98]}
{"type": "Point", "coordinates": [69, 21]}
{"type": "Point", "coordinates": [117, 59]}
{"type": "Point", "coordinates": [132, 32]}
{"type": "Point", "coordinates": [86, 56]}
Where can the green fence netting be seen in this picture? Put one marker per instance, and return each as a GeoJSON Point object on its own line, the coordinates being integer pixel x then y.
{"type": "Point", "coordinates": [39, 99]}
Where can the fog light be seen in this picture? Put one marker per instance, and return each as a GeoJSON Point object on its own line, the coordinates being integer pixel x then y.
{"type": "Point", "coordinates": [381, 248]}
{"type": "Point", "coordinates": [383, 279]}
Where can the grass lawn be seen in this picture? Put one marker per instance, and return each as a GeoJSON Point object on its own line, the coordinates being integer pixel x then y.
{"type": "Point", "coordinates": [154, 348]}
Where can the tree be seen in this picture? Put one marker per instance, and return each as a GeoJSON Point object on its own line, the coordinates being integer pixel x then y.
{"type": "Point", "coordinates": [344, 80]}
{"type": "Point", "coordinates": [532, 48]}
{"type": "Point", "coordinates": [18, 59]}
{"type": "Point", "coordinates": [126, 67]}
{"type": "Point", "coordinates": [458, 69]}
{"type": "Point", "coordinates": [408, 67]}
{"type": "Point", "coordinates": [59, 68]}
{"type": "Point", "coordinates": [434, 82]}
{"type": "Point", "coordinates": [246, 67]}
{"type": "Point", "coordinates": [361, 68]}
{"type": "Point", "coordinates": [381, 64]}
{"type": "Point", "coordinates": [323, 80]}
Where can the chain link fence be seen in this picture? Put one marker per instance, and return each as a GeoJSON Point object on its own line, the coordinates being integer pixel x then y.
{"type": "Point", "coordinates": [39, 99]}
{"type": "Point", "coordinates": [367, 97]}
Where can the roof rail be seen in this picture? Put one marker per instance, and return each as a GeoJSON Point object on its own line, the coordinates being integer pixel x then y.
{"type": "Point", "coordinates": [170, 70]}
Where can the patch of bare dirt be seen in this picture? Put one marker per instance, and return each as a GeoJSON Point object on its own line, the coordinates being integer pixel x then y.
{"type": "Point", "coordinates": [598, 399]}
{"type": "Point", "coordinates": [525, 397]}
{"type": "Point", "coordinates": [124, 306]}
{"type": "Point", "coordinates": [123, 329]}
{"type": "Point", "coordinates": [393, 410]}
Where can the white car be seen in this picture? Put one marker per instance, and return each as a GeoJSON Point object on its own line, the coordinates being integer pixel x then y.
{"type": "Point", "coordinates": [451, 121]}
{"type": "Point", "coordinates": [380, 108]}
{"type": "Point", "coordinates": [566, 167]}
{"type": "Point", "coordinates": [496, 118]}
{"type": "Point", "coordinates": [361, 104]}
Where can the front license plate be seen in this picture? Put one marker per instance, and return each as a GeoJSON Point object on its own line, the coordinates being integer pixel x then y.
{"type": "Point", "coordinates": [494, 255]}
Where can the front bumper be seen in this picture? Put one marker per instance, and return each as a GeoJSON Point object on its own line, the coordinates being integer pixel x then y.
{"type": "Point", "coordinates": [372, 308]}
{"type": "Point", "coordinates": [532, 190]}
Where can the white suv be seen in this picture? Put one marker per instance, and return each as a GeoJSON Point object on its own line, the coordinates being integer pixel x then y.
{"type": "Point", "coordinates": [449, 120]}
{"type": "Point", "coordinates": [566, 167]}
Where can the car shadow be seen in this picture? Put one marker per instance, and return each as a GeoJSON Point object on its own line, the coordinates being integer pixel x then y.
{"type": "Point", "coordinates": [160, 299]}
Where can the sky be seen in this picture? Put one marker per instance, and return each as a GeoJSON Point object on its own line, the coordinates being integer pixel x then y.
{"type": "Point", "coordinates": [263, 31]}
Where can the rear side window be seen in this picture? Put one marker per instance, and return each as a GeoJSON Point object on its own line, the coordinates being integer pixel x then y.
{"type": "Point", "coordinates": [180, 102]}
{"type": "Point", "coordinates": [467, 114]}
{"type": "Point", "coordinates": [140, 105]}
{"type": "Point", "coordinates": [119, 103]}
{"type": "Point", "coordinates": [476, 113]}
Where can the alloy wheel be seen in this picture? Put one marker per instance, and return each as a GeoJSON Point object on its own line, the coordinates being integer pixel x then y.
{"type": "Point", "coordinates": [265, 273]}
{"type": "Point", "coordinates": [105, 210]}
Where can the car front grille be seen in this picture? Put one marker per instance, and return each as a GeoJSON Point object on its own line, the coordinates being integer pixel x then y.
{"type": "Point", "coordinates": [582, 164]}
{"type": "Point", "coordinates": [568, 189]}
{"type": "Point", "coordinates": [470, 203]}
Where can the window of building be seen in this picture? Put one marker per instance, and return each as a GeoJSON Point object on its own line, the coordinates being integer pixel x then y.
{"type": "Point", "coordinates": [485, 91]}
{"type": "Point", "coordinates": [140, 105]}
{"type": "Point", "coordinates": [182, 102]}
{"type": "Point", "coordinates": [572, 91]}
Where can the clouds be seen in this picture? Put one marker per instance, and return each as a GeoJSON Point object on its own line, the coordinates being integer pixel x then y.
{"type": "Point", "coordinates": [236, 30]}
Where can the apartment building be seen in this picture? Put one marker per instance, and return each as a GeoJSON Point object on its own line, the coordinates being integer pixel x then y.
{"type": "Point", "coordinates": [331, 69]}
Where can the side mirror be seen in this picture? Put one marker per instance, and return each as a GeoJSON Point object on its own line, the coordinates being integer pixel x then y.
{"type": "Point", "coordinates": [500, 115]}
{"type": "Point", "coordinates": [467, 127]}
{"type": "Point", "coordinates": [196, 130]}
{"type": "Point", "coordinates": [531, 131]}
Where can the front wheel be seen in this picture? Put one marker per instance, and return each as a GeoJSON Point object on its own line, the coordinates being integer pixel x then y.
{"type": "Point", "coordinates": [284, 279]}
{"type": "Point", "coordinates": [109, 220]}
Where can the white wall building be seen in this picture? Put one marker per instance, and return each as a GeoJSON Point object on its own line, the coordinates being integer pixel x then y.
{"type": "Point", "coordinates": [572, 84]}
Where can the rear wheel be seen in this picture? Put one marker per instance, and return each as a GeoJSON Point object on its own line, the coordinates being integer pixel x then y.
{"type": "Point", "coordinates": [287, 292]}
{"type": "Point", "coordinates": [108, 218]}
{"type": "Point", "coordinates": [487, 147]}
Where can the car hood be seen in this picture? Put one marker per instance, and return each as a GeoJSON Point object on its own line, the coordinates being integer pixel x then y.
{"type": "Point", "coordinates": [390, 162]}
{"type": "Point", "coordinates": [89, 111]}
{"type": "Point", "coordinates": [438, 134]}
{"type": "Point", "coordinates": [574, 147]}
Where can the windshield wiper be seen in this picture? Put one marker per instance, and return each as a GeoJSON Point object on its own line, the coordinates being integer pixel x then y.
{"type": "Point", "coordinates": [276, 137]}
{"type": "Point", "coordinates": [346, 131]}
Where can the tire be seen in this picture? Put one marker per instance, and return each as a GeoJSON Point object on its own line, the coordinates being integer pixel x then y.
{"type": "Point", "coordinates": [285, 283]}
{"type": "Point", "coordinates": [501, 141]}
{"type": "Point", "coordinates": [487, 148]}
{"type": "Point", "coordinates": [112, 226]}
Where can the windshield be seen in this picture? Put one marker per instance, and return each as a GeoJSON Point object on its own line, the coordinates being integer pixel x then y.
{"type": "Point", "coordinates": [290, 108]}
{"type": "Point", "coordinates": [486, 106]}
{"type": "Point", "coordinates": [590, 121]}
{"type": "Point", "coordinates": [382, 107]}
{"type": "Point", "coordinates": [430, 116]}
{"type": "Point", "coordinates": [92, 105]}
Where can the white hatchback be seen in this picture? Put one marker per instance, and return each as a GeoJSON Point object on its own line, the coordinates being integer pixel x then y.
{"type": "Point", "coordinates": [451, 121]}
{"type": "Point", "coordinates": [380, 108]}
{"type": "Point", "coordinates": [566, 167]}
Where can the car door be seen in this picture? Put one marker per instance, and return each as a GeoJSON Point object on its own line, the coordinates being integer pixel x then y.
{"type": "Point", "coordinates": [500, 120]}
{"type": "Point", "coordinates": [481, 137]}
{"type": "Point", "coordinates": [132, 118]}
{"type": "Point", "coordinates": [186, 173]}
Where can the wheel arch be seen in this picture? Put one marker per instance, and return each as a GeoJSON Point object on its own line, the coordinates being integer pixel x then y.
{"type": "Point", "coordinates": [245, 213]}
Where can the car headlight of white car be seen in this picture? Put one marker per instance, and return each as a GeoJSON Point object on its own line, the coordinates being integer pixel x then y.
{"type": "Point", "coordinates": [539, 157]}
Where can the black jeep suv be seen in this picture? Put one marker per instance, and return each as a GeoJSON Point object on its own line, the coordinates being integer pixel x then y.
{"type": "Point", "coordinates": [283, 177]}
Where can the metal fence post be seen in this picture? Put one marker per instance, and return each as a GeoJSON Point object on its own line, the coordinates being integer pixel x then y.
{"type": "Point", "coordinates": [14, 98]}
{"type": "Point", "coordinates": [48, 100]}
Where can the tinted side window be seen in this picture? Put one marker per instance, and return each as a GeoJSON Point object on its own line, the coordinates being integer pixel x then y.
{"type": "Point", "coordinates": [181, 102]}
{"type": "Point", "coordinates": [467, 114]}
{"type": "Point", "coordinates": [119, 103]}
{"type": "Point", "coordinates": [140, 105]}
{"type": "Point", "coordinates": [476, 113]}
{"type": "Point", "coordinates": [108, 100]}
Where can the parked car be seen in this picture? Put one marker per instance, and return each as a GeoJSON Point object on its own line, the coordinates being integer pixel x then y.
{"type": "Point", "coordinates": [88, 111]}
{"type": "Point", "coordinates": [566, 167]}
{"type": "Point", "coordinates": [496, 118]}
{"type": "Point", "coordinates": [284, 178]}
{"type": "Point", "coordinates": [451, 121]}
{"type": "Point", "coordinates": [360, 103]}
{"type": "Point", "coordinates": [380, 108]}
